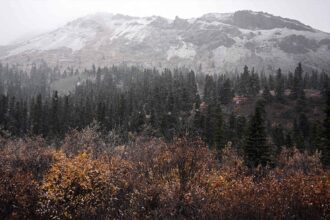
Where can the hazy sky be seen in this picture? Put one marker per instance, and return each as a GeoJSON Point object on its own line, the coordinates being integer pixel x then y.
{"type": "Point", "coordinates": [22, 18]}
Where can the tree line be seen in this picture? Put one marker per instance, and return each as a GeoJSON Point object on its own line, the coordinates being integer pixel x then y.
{"type": "Point", "coordinates": [132, 101]}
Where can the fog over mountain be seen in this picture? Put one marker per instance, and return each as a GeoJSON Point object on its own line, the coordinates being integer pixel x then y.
{"type": "Point", "coordinates": [214, 42]}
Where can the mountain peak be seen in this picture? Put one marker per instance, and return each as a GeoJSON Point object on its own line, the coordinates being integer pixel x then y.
{"type": "Point", "coordinates": [215, 40]}
{"type": "Point", "coordinates": [264, 21]}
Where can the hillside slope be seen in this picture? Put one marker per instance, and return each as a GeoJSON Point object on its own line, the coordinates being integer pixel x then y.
{"type": "Point", "coordinates": [213, 42]}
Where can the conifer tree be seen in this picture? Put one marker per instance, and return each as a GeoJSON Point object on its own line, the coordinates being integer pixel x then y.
{"type": "Point", "coordinates": [244, 82]}
{"type": "Point", "coordinates": [278, 136]}
{"type": "Point", "coordinates": [66, 115]}
{"type": "Point", "coordinates": [210, 125]}
{"type": "Point", "coordinates": [266, 95]}
{"type": "Point", "coordinates": [316, 136]}
{"type": "Point", "coordinates": [209, 90]}
{"type": "Point", "coordinates": [279, 89]}
{"type": "Point", "coordinates": [297, 136]}
{"type": "Point", "coordinates": [54, 115]}
{"type": "Point", "coordinates": [36, 115]}
{"type": "Point", "coordinates": [256, 148]}
{"type": "Point", "coordinates": [297, 84]}
{"type": "Point", "coordinates": [226, 92]}
{"type": "Point", "coordinates": [254, 84]}
{"type": "Point", "coordinates": [326, 124]}
{"type": "Point", "coordinates": [288, 140]}
{"type": "Point", "coordinates": [3, 111]}
{"type": "Point", "coordinates": [271, 82]}
{"type": "Point", "coordinates": [219, 129]}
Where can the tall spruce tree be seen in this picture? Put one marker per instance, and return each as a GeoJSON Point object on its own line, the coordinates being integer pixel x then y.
{"type": "Point", "coordinates": [326, 124]}
{"type": "Point", "coordinates": [297, 90]}
{"type": "Point", "coordinates": [266, 95]}
{"type": "Point", "coordinates": [219, 129]}
{"type": "Point", "coordinates": [209, 90]}
{"type": "Point", "coordinates": [244, 82]}
{"type": "Point", "coordinates": [54, 115]}
{"type": "Point", "coordinates": [279, 88]}
{"type": "Point", "coordinates": [226, 92]}
{"type": "Point", "coordinates": [256, 148]}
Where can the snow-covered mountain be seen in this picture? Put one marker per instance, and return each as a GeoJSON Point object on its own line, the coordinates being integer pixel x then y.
{"type": "Point", "coordinates": [214, 42]}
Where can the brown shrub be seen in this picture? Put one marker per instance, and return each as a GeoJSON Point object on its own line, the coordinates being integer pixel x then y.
{"type": "Point", "coordinates": [88, 140]}
{"type": "Point", "coordinates": [18, 195]}
{"type": "Point", "coordinates": [29, 155]}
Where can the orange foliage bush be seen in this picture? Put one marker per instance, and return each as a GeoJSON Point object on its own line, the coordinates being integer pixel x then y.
{"type": "Point", "coordinates": [23, 163]}
{"type": "Point", "coordinates": [81, 187]}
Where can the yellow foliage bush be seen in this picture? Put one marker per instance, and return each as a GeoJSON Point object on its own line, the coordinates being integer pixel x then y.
{"type": "Point", "coordinates": [82, 187]}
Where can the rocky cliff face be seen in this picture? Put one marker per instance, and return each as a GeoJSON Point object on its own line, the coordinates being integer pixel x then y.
{"type": "Point", "coordinates": [215, 42]}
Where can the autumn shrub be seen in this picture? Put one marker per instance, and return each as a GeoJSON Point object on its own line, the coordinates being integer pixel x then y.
{"type": "Point", "coordinates": [18, 195]}
{"type": "Point", "coordinates": [83, 188]}
{"type": "Point", "coordinates": [167, 177]}
{"type": "Point", "coordinates": [23, 163]}
{"type": "Point", "coordinates": [88, 140]}
{"type": "Point", "coordinates": [30, 155]}
{"type": "Point", "coordinates": [297, 196]}
{"type": "Point", "coordinates": [293, 160]}
{"type": "Point", "coordinates": [87, 178]}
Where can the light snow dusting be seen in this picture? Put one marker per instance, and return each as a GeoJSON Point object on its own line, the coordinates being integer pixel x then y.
{"type": "Point", "coordinates": [75, 35]}
{"type": "Point", "coordinates": [71, 36]}
{"type": "Point", "coordinates": [134, 30]}
{"type": "Point", "coordinates": [105, 39]}
{"type": "Point", "coordinates": [185, 51]}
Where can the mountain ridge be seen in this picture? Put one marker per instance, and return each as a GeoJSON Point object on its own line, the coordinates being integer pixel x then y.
{"type": "Point", "coordinates": [215, 41]}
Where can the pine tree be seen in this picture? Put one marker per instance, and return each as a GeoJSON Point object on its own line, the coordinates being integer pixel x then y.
{"type": "Point", "coordinates": [256, 148]}
{"type": "Point", "coordinates": [210, 125]}
{"type": "Point", "coordinates": [46, 119]}
{"type": "Point", "coordinates": [278, 136]}
{"type": "Point", "coordinates": [191, 87]}
{"type": "Point", "coordinates": [3, 111]}
{"type": "Point", "coordinates": [316, 136]}
{"type": "Point", "coordinates": [100, 114]}
{"type": "Point", "coordinates": [297, 136]}
{"type": "Point", "coordinates": [254, 84]}
{"type": "Point", "coordinates": [24, 120]}
{"type": "Point", "coordinates": [244, 82]}
{"type": "Point", "coordinates": [219, 129]}
{"type": "Point", "coordinates": [279, 89]}
{"type": "Point", "coordinates": [66, 116]}
{"type": "Point", "coordinates": [209, 90]}
{"type": "Point", "coordinates": [54, 115]}
{"type": "Point", "coordinates": [241, 126]}
{"type": "Point", "coordinates": [36, 115]}
{"type": "Point", "coordinates": [304, 125]}
{"type": "Point", "coordinates": [12, 120]}
{"type": "Point", "coordinates": [226, 92]}
{"type": "Point", "coordinates": [271, 82]}
{"type": "Point", "coordinates": [232, 125]}
{"type": "Point", "coordinates": [297, 84]}
{"type": "Point", "coordinates": [326, 125]}
{"type": "Point", "coordinates": [266, 95]}
{"type": "Point", "coordinates": [288, 140]}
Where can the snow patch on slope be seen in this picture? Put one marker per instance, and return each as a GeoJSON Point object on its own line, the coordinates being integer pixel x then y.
{"type": "Point", "coordinates": [232, 55]}
{"type": "Point", "coordinates": [71, 36]}
{"type": "Point", "coordinates": [134, 30]}
{"type": "Point", "coordinates": [185, 51]}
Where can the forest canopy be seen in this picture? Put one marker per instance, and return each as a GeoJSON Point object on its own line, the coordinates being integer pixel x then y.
{"type": "Point", "coordinates": [133, 143]}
